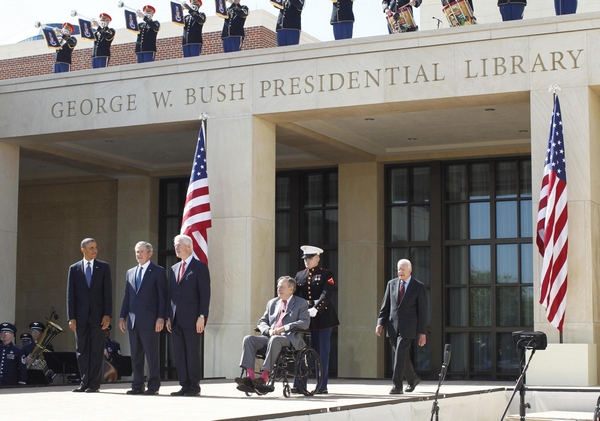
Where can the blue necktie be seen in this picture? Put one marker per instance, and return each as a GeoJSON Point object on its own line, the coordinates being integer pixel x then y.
{"type": "Point", "coordinates": [88, 274]}
{"type": "Point", "coordinates": [138, 279]}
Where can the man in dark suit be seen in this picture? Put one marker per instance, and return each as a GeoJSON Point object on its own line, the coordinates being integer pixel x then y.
{"type": "Point", "coordinates": [144, 311]}
{"type": "Point", "coordinates": [189, 299]}
{"type": "Point", "coordinates": [404, 315]}
{"type": "Point", "coordinates": [89, 306]}
{"type": "Point", "coordinates": [279, 326]}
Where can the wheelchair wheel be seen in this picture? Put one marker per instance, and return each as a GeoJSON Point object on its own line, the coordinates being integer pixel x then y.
{"type": "Point", "coordinates": [286, 391]}
{"type": "Point", "coordinates": [309, 372]}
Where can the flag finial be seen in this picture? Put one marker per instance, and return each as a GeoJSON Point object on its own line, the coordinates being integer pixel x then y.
{"type": "Point", "coordinates": [204, 116]}
{"type": "Point", "coordinates": [554, 88]}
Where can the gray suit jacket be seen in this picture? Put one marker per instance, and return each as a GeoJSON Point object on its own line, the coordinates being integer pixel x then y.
{"type": "Point", "coordinates": [295, 319]}
{"type": "Point", "coordinates": [408, 318]}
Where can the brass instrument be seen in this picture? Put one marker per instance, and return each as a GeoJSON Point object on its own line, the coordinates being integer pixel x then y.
{"type": "Point", "coordinates": [39, 363]}
{"type": "Point", "coordinates": [138, 12]}
{"type": "Point", "coordinates": [93, 21]}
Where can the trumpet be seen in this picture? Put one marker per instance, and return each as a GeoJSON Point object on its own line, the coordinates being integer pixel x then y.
{"type": "Point", "coordinates": [37, 24]}
{"type": "Point", "coordinates": [123, 5]}
{"type": "Point", "coordinates": [94, 22]}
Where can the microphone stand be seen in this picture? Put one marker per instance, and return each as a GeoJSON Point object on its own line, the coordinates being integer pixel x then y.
{"type": "Point", "coordinates": [520, 386]}
{"type": "Point", "coordinates": [435, 409]}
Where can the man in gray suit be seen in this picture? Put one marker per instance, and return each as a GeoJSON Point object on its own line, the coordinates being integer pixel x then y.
{"type": "Point", "coordinates": [284, 318]}
{"type": "Point", "coordinates": [404, 315]}
{"type": "Point", "coordinates": [143, 313]}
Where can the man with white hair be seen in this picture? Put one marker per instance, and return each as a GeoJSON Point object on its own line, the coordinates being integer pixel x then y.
{"type": "Point", "coordinates": [189, 299]}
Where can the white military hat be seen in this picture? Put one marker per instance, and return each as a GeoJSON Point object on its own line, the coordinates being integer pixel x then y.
{"type": "Point", "coordinates": [310, 251]}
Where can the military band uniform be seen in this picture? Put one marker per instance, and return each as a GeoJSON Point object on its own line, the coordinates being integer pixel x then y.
{"type": "Point", "coordinates": [62, 60]}
{"type": "Point", "coordinates": [316, 285]}
{"type": "Point", "coordinates": [145, 45]}
{"type": "Point", "coordinates": [512, 9]}
{"type": "Point", "coordinates": [233, 27]}
{"type": "Point", "coordinates": [113, 350]}
{"type": "Point", "coordinates": [342, 19]}
{"type": "Point", "coordinates": [392, 6]}
{"type": "Point", "coordinates": [13, 369]}
{"type": "Point", "coordinates": [191, 42]}
{"type": "Point", "coordinates": [565, 7]}
{"type": "Point", "coordinates": [101, 51]}
{"type": "Point", "coordinates": [289, 23]}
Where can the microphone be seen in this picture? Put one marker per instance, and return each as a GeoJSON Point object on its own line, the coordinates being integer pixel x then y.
{"type": "Point", "coordinates": [54, 314]}
{"type": "Point", "coordinates": [439, 22]}
{"type": "Point", "coordinates": [447, 354]}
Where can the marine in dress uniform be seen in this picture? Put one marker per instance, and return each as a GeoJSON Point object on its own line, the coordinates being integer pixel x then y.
{"type": "Point", "coordinates": [565, 7]}
{"type": "Point", "coordinates": [233, 27]}
{"type": "Point", "coordinates": [512, 9]}
{"type": "Point", "coordinates": [145, 44]}
{"type": "Point", "coordinates": [191, 42]}
{"type": "Point", "coordinates": [104, 38]}
{"type": "Point", "coordinates": [316, 285]}
{"type": "Point", "coordinates": [289, 23]}
{"type": "Point", "coordinates": [342, 19]}
{"type": "Point", "coordinates": [13, 370]}
{"type": "Point", "coordinates": [62, 60]}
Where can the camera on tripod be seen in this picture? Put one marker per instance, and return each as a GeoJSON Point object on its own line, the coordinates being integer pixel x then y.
{"type": "Point", "coordinates": [530, 340]}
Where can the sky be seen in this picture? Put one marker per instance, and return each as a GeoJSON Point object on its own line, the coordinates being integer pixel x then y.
{"type": "Point", "coordinates": [17, 17]}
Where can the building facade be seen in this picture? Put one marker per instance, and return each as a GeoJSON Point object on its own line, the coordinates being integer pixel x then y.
{"type": "Point", "coordinates": [428, 145]}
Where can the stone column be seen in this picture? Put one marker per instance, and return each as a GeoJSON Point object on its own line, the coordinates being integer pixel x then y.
{"type": "Point", "coordinates": [361, 261]}
{"type": "Point", "coordinates": [581, 331]}
{"type": "Point", "coordinates": [137, 220]}
{"type": "Point", "coordinates": [9, 192]}
{"type": "Point", "coordinates": [241, 242]}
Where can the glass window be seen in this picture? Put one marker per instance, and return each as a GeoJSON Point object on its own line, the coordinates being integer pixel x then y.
{"type": "Point", "coordinates": [458, 307]}
{"type": "Point", "coordinates": [506, 179]}
{"type": "Point", "coordinates": [457, 222]}
{"type": "Point", "coordinates": [479, 220]}
{"type": "Point", "coordinates": [282, 264]}
{"type": "Point", "coordinates": [525, 178]}
{"type": "Point", "coordinates": [456, 182]}
{"type": "Point", "coordinates": [422, 359]}
{"type": "Point", "coordinates": [526, 222]}
{"type": "Point", "coordinates": [395, 255]}
{"type": "Point", "coordinates": [480, 264]}
{"type": "Point", "coordinates": [507, 358]}
{"type": "Point", "coordinates": [314, 226]}
{"type": "Point", "coordinates": [399, 221]}
{"type": "Point", "coordinates": [507, 263]}
{"type": "Point", "coordinates": [527, 263]}
{"type": "Point", "coordinates": [526, 306]}
{"type": "Point", "coordinates": [173, 228]}
{"type": "Point", "coordinates": [331, 226]}
{"type": "Point", "coordinates": [420, 258]}
{"type": "Point", "coordinates": [481, 352]}
{"type": "Point", "coordinates": [507, 306]}
{"type": "Point", "coordinates": [421, 184]}
{"type": "Point", "coordinates": [314, 191]}
{"type": "Point", "coordinates": [479, 181]}
{"type": "Point", "coordinates": [399, 185]}
{"type": "Point", "coordinates": [332, 189]}
{"type": "Point", "coordinates": [460, 352]}
{"type": "Point", "coordinates": [172, 198]}
{"type": "Point", "coordinates": [506, 219]}
{"type": "Point", "coordinates": [282, 193]}
{"type": "Point", "coordinates": [481, 306]}
{"type": "Point", "coordinates": [419, 223]}
{"type": "Point", "coordinates": [282, 229]}
{"type": "Point", "coordinates": [458, 264]}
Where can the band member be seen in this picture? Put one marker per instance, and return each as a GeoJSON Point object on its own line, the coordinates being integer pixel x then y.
{"type": "Point", "coordinates": [145, 45]}
{"type": "Point", "coordinates": [104, 38]}
{"type": "Point", "coordinates": [36, 329]}
{"type": "Point", "coordinates": [342, 19]}
{"type": "Point", "coordinates": [192, 31]}
{"type": "Point", "coordinates": [391, 7]}
{"type": "Point", "coordinates": [62, 60]}
{"type": "Point", "coordinates": [289, 23]}
{"type": "Point", "coordinates": [233, 27]}
{"type": "Point", "coordinates": [112, 349]}
{"type": "Point", "coordinates": [13, 370]}
{"type": "Point", "coordinates": [316, 285]}
{"type": "Point", "coordinates": [565, 7]}
{"type": "Point", "coordinates": [512, 9]}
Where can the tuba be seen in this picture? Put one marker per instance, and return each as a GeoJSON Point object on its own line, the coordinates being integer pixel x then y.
{"type": "Point", "coordinates": [39, 363]}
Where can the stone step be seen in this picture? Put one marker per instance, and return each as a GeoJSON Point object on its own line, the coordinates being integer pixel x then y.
{"type": "Point", "coordinates": [554, 416]}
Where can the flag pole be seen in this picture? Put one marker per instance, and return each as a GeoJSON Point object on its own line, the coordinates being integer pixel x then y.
{"type": "Point", "coordinates": [203, 119]}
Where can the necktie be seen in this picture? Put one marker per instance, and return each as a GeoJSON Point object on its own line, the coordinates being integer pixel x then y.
{"type": "Point", "coordinates": [401, 292]}
{"type": "Point", "coordinates": [280, 319]}
{"type": "Point", "coordinates": [181, 272]}
{"type": "Point", "coordinates": [138, 279]}
{"type": "Point", "coordinates": [88, 274]}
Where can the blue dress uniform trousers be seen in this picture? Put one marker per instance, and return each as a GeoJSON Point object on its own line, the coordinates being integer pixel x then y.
{"type": "Point", "coordinates": [231, 44]}
{"type": "Point", "coordinates": [99, 62]}
{"type": "Point", "coordinates": [565, 7]}
{"type": "Point", "coordinates": [343, 30]}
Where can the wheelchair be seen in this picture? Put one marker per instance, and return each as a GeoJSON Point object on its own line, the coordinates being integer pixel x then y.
{"type": "Point", "coordinates": [303, 365]}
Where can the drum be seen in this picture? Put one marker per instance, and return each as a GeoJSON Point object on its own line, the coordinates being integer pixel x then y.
{"type": "Point", "coordinates": [402, 21]}
{"type": "Point", "coordinates": [459, 13]}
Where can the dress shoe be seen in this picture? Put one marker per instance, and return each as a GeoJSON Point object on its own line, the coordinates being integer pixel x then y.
{"type": "Point", "coordinates": [180, 392]}
{"type": "Point", "coordinates": [135, 392]}
{"type": "Point", "coordinates": [261, 386]}
{"type": "Point", "coordinates": [321, 392]}
{"type": "Point", "coordinates": [92, 390]}
{"type": "Point", "coordinates": [396, 391]}
{"type": "Point", "coordinates": [80, 389]}
{"type": "Point", "coordinates": [295, 391]}
{"type": "Point", "coordinates": [193, 392]}
{"type": "Point", "coordinates": [150, 392]}
{"type": "Point", "coordinates": [243, 381]}
{"type": "Point", "coordinates": [245, 388]}
{"type": "Point", "coordinates": [411, 387]}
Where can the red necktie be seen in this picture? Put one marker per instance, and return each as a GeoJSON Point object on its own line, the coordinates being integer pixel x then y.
{"type": "Point", "coordinates": [401, 292]}
{"type": "Point", "coordinates": [280, 319]}
{"type": "Point", "coordinates": [181, 272]}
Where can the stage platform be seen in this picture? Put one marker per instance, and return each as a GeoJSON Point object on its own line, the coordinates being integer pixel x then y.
{"type": "Point", "coordinates": [349, 399]}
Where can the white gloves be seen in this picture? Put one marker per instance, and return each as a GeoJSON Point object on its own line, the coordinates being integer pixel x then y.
{"type": "Point", "coordinates": [312, 312]}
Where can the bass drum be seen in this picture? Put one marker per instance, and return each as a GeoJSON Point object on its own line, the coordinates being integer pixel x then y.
{"type": "Point", "coordinates": [459, 13]}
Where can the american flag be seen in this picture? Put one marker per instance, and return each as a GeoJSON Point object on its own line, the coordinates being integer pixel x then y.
{"type": "Point", "coordinates": [552, 232]}
{"type": "Point", "coordinates": [196, 212]}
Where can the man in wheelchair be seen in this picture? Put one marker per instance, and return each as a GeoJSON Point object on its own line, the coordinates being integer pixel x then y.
{"type": "Point", "coordinates": [281, 325]}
